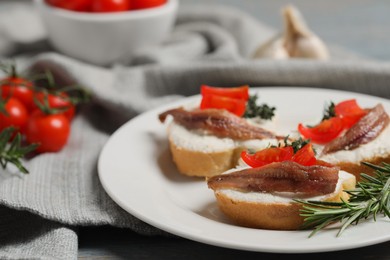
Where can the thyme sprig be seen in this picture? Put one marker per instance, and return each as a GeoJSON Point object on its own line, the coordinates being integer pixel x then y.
{"type": "Point", "coordinates": [253, 109]}
{"type": "Point", "coordinates": [370, 198]}
{"type": "Point", "coordinates": [295, 144]}
{"type": "Point", "coordinates": [11, 149]}
{"type": "Point", "coordinates": [329, 111]}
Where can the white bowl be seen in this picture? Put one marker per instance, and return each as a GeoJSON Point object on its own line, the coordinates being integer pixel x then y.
{"type": "Point", "coordinates": [106, 38]}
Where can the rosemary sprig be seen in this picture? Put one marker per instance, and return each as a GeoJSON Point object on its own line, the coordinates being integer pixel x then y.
{"type": "Point", "coordinates": [11, 149]}
{"type": "Point", "coordinates": [370, 198]}
{"type": "Point", "coordinates": [253, 110]}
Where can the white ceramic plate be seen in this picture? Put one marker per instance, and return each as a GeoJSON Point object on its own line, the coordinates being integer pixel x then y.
{"type": "Point", "coordinates": [136, 170]}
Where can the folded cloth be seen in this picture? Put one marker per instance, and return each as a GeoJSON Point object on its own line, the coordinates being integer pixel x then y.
{"type": "Point", "coordinates": [209, 45]}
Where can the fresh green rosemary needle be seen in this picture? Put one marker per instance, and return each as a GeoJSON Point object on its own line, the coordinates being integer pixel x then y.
{"type": "Point", "coordinates": [11, 149]}
{"type": "Point", "coordinates": [370, 198]}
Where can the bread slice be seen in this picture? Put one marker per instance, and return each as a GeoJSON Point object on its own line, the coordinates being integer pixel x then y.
{"type": "Point", "coordinates": [198, 154]}
{"type": "Point", "coordinates": [268, 211]}
{"type": "Point", "coordinates": [198, 163]}
{"type": "Point", "coordinates": [375, 152]}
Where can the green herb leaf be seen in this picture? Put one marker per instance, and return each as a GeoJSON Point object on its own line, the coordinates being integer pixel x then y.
{"type": "Point", "coordinates": [253, 110]}
{"type": "Point", "coordinates": [298, 144]}
{"type": "Point", "coordinates": [329, 111]}
{"type": "Point", "coordinates": [369, 198]}
{"type": "Point", "coordinates": [12, 151]}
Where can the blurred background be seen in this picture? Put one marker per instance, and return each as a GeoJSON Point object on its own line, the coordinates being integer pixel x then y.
{"type": "Point", "coordinates": [361, 26]}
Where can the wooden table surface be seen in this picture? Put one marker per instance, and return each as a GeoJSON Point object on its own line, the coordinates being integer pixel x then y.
{"type": "Point", "coordinates": [361, 26]}
{"type": "Point", "coordinates": [111, 243]}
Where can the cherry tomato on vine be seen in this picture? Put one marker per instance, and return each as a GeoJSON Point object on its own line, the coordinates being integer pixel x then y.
{"type": "Point", "coordinates": [73, 5]}
{"type": "Point", "coordinates": [267, 156]}
{"type": "Point", "coordinates": [350, 112]}
{"type": "Point", "coordinates": [142, 4]}
{"type": "Point", "coordinates": [51, 131]}
{"type": "Point", "coordinates": [60, 101]}
{"type": "Point", "coordinates": [15, 115]}
{"type": "Point", "coordinates": [236, 92]}
{"type": "Point", "coordinates": [18, 88]}
{"type": "Point", "coordinates": [324, 132]}
{"type": "Point", "coordinates": [235, 106]}
{"type": "Point", "coordinates": [110, 5]}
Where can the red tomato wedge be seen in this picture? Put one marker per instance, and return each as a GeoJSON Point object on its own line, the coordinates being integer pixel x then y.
{"type": "Point", "coordinates": [267, 156]}
{"type": "Point", "coordinates": [350, 112]}
{"type": "Point", "coordinates": [241, 92]}
{"type": "Point", "coordinates": [305, 156]}
{"type": "Point", "coordinates": [235, 106]}
{"type": "Point", "coordinates": [324, 132]}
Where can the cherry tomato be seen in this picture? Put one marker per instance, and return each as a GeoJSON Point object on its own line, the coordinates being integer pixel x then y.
{"type": "Point", "coordinates": [235, 106]}
{"type": "Point", "coordinates": [60, 101]}
{"type": "Point", "coordinates": [350, 112]}
{"type": "Point", "coordinates": [305, 156]}
{"type": "Point", "coordinates": [267, 156]}
{"type": "Point", "coordinates": [324, 132]}
{"type": "Point", "coordinates": [73, 5]}
{"type": "Point", "coordinates": [110, 5]}
{"type": "Point", "coordinates": [17, 115]}
{"type": "Point", "coordinates": [18, 88]}
{"type": "Point", "coordinates": [237, 92]}
{"type": "Point", "coordinates": [142, 4]}
{"type": "Point", "coordinates": [50, 131]}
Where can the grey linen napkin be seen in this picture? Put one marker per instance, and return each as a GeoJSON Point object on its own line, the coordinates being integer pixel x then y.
{"type": "Point", "coordinates": [39, 212]}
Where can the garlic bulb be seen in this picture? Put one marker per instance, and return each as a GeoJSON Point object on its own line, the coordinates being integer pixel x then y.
{"type": "Point", "coordinates": [274, 49]}
{"type": "Point", "coordinates": [297, 41]}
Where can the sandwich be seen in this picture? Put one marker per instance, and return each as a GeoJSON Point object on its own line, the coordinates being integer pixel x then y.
{"type": "Point", "coordinates": [349, 135]}
{"type": "Point", "coordinates": [207, 138]}
{"type": "Point", "coordinates": [263, 193]}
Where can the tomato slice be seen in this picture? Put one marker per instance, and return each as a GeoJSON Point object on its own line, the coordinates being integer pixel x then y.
{"type": "Point", "coordinates": [241, 92]}
{"type": "Point", "coordinates": [323, 163]}
{"type": "Point", "coordinates": [305, 156]}
{"type": "Point", "coordinates": [324, 132]}
{"type": "Point", "coordinates": [235, 106]}
{"type": "Point", "coordinates": [350, 112]}
{"type": "Point", "coordinates": [267, 156]}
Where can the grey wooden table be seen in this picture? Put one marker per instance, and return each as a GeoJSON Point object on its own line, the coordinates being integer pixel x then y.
{"type": "Point", "coordinates": [361, 26]}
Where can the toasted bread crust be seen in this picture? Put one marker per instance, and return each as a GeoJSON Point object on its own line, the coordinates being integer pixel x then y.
{"type": "Point", "coordinates": [260, 215]}
{"type": "Point", "coordinates": [264, 215]}
{"type": "Point", "coordinates": [196, 163]}
{"type": "Point", "coordinates": [358, 168]}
